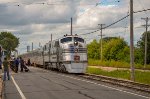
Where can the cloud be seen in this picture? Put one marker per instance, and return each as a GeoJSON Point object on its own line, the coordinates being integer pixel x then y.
{"type": "Point", "coordinates": [36, 14]}
{"type": "Point", "coordinates": [35, 20]}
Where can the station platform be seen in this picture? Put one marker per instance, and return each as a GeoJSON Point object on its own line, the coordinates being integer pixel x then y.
{"type": "Point", "coordinates": [45, 84]}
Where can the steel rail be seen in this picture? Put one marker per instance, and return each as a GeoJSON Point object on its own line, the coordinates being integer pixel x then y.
{"type": "Point", "coordinates": [117, 81]}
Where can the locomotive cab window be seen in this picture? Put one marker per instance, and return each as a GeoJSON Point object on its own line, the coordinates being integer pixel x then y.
{"type": "Point", "coordinates": [65, 40]}
{"type": "Point", "coordinates": [77, 39]}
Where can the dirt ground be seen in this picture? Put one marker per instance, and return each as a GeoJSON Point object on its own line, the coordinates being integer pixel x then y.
{"type": "Point", "coordinates": [109, 69]}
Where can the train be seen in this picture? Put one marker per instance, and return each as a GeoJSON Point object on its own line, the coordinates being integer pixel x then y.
{"type": "Point", "coordinates": [66, 54]}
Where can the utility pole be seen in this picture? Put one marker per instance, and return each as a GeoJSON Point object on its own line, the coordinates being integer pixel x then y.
{"type": "Point", "coordinates": [51, 37]}
{"type": "Point", "coordinates": [71, 26]}
{"type": "Point", "coordinates": [131, 42]}
{"type": "Point", "coordinates": [146, 26]}
{"type": "Point", "coordinates": [32, 46]}
{"type": "Point", "coordinates": [101, 28]}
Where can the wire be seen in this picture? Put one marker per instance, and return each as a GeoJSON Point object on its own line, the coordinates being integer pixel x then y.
{"type": "Point", "coordinates": [115, 22]}
{"type": "Point", "coordinates": [95, 37]}
{"type": "Point", "coordinates": [108, 2]}
{"type": "Point", "coordinates": [142, 6]}
{"type": "Point", "coordinates": [108, 25]}
{"type": "Point", "coordinates": [29, 3]}
{"type": "Point", "coordinates": [87, 10]}
{"type": "Point", "coordinates": [55, 3]}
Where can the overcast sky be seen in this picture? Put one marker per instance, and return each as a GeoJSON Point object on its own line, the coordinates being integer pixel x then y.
{"type": "Point", "coordinates": [34, 20]}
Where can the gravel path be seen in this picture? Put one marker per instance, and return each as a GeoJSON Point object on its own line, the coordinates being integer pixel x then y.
{"type": "Point", "coordinates": [114, 68]}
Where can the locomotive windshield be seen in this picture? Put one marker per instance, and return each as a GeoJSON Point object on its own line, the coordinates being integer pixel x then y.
{"type": "Point", "coordinates": [65, 40]}
{"type": "Point", "coordinates": [78, 39]}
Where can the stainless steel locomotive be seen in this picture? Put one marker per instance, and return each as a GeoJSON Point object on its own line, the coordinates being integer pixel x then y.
{"type": "Point", "coordinates": [67, 54]}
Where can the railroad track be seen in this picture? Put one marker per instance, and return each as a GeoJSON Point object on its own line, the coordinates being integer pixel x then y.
{"type": "Point", "coordinates": [116, 81]}
{"type": "Point", "coordinates": [120, 82]}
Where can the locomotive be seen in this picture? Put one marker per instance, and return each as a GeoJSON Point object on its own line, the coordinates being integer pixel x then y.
{"type": "Point", "coordinates": [66, 54]}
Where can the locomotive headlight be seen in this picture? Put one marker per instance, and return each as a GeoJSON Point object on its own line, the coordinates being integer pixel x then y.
{"type": "Point", "coordinates": [75, 43]}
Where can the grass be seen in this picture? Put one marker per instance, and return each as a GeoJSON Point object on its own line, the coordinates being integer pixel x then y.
{"type": "Point", "coordinates": [113, 63]}
{"type": "Point", "coordinates": [140, 76]}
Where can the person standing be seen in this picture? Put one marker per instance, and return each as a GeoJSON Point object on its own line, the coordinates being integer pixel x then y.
{"type": "Point", "coordinates": [21, 64]}
{"type": "Point", "coordinates": [6, 69]}
{"type": "Point", "coordinates": [16, 64]}
{"type": "Point", "coordinates": [29, 63]}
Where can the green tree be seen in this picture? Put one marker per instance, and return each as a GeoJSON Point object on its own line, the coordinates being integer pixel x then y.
{"type": "Point", "coordinates": [124, 54]}
{"type": "Point", "coordinates": [138, 56]}
{"type": "Point", "coordinates": [116, 49]}
{"type": "Point", "coordinates": [94, 50]}
{"type": "Point", "coordinates": [8, 41]}
{"type": "Point", "coordinates": [107, 39]}
{"type": "Point", "coordinates": [141, 47]}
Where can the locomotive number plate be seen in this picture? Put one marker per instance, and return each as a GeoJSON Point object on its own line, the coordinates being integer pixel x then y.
{"type": "Point", "coordinates": [76, 58]}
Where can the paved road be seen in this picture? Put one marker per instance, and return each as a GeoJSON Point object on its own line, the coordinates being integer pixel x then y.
{"type": "Point", "coordinates": [43, 84]}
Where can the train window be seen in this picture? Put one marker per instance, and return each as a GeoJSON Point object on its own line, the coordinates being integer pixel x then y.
{"type": "Point", "coordinates": [78, 39]}
{"type": "Point", "coordinates": [67, 39]}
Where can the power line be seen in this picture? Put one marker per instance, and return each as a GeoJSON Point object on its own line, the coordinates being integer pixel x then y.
{"type": "Point", "coordinates": [54, 3]}
{"type": "Point", "coordinates": [96, 6]}
{"type": "Point", "coordinates": [109, 2]}
{"type": "Point", "coordinates": [142, 6]}
{"type": "Point", "coordinates": [115, 22]}
{"type": "Point", "coordinates": [107, 35]}
{"type": "Point", "coordinates": [107, 25]}
{"type": "Point", "coordinates": [142, 10]}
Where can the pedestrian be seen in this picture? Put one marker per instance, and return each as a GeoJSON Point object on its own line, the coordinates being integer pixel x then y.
{"type": "Point", "coordinates": [29, 63]}
{"type": "Point", "coordinates": [13, 64]}
{"type": "Point", "coordinates": [16, 64]}
{"type": "Point", "coordinates": [6, 69]}
{"type": "Point", "coordinates": [21, 64]}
